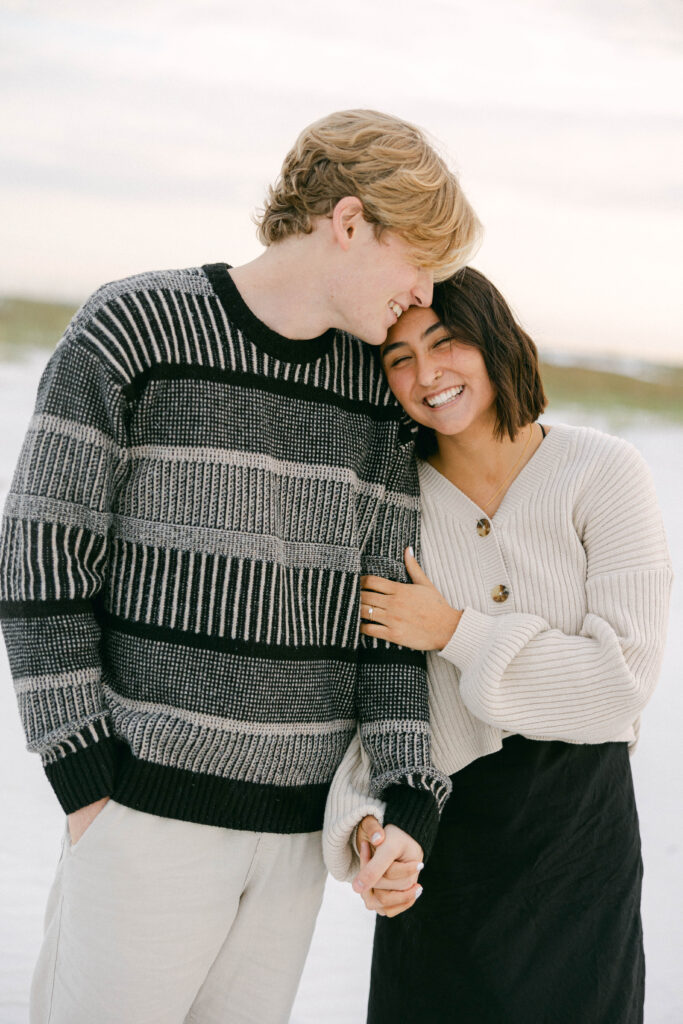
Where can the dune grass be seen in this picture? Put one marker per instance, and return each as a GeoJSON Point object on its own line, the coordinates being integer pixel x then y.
{"type": "Point", "coordinates": [28, 323]}
{"type": "Point", "coordinates": [659, 392]}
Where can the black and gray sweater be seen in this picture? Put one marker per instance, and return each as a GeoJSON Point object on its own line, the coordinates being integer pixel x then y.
{"type": "Point", "coordinates": [180, 555]}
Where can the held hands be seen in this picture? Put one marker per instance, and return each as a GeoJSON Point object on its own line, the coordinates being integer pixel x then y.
{"type": "Point", "coordinates": [410, 614]}
{"type": "Point", "coordinates": [388, 877]}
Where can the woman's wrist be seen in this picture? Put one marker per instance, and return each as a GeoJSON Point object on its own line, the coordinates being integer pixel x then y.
{"type": "Point", "coordinates": [451, 618]}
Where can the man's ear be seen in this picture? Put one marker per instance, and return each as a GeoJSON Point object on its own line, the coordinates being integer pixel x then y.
{"type": "Point", "coordinates": [347, 217]}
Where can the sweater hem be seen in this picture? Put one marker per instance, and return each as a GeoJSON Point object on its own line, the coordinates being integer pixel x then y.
{"type": "Point", "coordinates": [171, 792]}
{"type": "Point", "coordinates": [82, 778]}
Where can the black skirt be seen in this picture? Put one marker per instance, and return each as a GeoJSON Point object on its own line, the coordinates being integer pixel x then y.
{"type": "Point", "coordinates": [531, 906]}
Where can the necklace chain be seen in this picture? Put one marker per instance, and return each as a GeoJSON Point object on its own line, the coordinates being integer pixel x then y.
{"type": "Point", "coordinates": [497, 492]}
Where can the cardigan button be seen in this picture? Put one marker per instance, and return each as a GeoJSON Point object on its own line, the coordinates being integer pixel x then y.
{"type": "Point", "coordinates": [483, 527]}
{"type": "Point", "coordinates": [500, 593]}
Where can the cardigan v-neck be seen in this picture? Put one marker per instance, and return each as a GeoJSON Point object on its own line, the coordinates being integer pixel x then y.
{"type": "Point", "coordinates": [436, 487]}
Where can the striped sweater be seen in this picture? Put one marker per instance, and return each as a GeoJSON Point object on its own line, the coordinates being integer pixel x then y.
{"type": "Point", "coordinates": [573, 650]}
{"type": "Point", "coordinates": [180, 555]}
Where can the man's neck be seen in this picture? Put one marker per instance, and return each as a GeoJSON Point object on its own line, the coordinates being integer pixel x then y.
{"type": "Point", "coordinates": [286, 290]}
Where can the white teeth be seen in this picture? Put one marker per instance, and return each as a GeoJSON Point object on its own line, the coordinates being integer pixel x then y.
{"type": "Point", "coordinates": [444, 397]}
{"type": "Point", "coordinates": [395, 308]}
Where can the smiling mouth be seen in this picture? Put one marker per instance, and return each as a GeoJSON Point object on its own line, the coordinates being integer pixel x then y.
{"type": "Point", "coordinates": [395, 308]}
{"type": "Point", "coordinates": [436, 401]}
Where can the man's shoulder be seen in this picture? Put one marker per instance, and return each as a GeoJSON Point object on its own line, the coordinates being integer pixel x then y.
{"type": "Point", "coordinates": [191, 280]}
{"type": "Point", "coordinates": [124, 317]}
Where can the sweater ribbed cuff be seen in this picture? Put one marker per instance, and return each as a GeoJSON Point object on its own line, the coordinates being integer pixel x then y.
{"type": "Point", "coordinates": [85, 776]}
{"type": "Point", "coordinates": [415, 811]}
{"type": "Point", "coordinates": [472, 633]}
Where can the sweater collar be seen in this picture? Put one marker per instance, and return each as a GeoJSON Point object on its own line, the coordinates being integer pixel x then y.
{"type": "Point", "coordinates": [287, 350]}
{"type": "Point", "coordinates": [532, 478]}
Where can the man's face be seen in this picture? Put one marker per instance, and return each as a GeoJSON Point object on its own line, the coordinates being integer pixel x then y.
{"type": "Point", "coordinates": [377, 283]}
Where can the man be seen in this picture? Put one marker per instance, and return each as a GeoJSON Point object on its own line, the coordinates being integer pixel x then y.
{"type": "Point", "coordinates": [214, 460]}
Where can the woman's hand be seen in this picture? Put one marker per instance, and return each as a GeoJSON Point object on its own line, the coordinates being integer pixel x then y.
{"type": "Point", "coordinates": [391, 862]}
{"type": "Point", "coordinates": [410, 614]}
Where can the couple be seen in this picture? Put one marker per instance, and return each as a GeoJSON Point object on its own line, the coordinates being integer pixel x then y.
{"type": "Point", "coordinates": [217, 475]}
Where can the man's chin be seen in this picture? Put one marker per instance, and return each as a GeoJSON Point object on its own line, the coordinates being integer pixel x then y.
{"type": "Point", "coordinates": [375, 339]}
{"type": "Point", "coordinates": [368, 333]}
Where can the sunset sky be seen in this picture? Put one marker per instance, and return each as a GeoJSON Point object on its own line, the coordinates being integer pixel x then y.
{"type": "Point", "coordinates": [142, 135]}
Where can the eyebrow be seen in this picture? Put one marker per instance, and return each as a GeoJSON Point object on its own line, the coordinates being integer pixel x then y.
{"type": "Point", "coordinates": [398, 344]}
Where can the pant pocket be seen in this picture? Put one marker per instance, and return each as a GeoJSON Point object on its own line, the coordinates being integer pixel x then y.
{"type": "Point", "coordinates": [97, 825]}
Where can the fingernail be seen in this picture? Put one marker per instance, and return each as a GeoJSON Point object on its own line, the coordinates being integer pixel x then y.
{"type": "Point", "coordinates": [357, 886]}
{"type": "Point", "coordinates": [420, 866]}
{"type": "Point", "coordinates": [418, 892]}
{"type": "Point", "coordinates": [411, 552]}
{"type": "Point", "coordinates": [376, 837]}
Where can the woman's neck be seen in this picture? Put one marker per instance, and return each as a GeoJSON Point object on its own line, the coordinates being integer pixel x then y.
{"type": "Point", "coordinates": [482, 466]}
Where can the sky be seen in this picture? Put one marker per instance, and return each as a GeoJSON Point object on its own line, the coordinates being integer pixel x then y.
{"type": "Point", "coordinates": [143, 135]}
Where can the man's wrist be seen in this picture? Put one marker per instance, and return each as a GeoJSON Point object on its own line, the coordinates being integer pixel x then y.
{"type": "Point", "coordinates": [415, 811]}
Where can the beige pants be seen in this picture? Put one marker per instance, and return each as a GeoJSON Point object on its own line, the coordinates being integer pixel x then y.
{"type": "Point", "coordinates": [157, 921]}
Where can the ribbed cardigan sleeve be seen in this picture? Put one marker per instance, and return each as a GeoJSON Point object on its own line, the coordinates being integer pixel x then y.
{"type": "Point", "coordinates": [53, 557]}
{"type": "Point", "coordinates": [348, 802]}
{"type": "Point", "coordinates": [520, 675]}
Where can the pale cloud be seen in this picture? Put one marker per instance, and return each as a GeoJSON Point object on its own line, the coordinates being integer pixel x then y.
{"type": "Point", "coordinates": [144, 134]}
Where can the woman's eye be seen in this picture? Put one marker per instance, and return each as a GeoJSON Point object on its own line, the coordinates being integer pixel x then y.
{"type": "Point", "coordinates": [397, 362]}
{"type": "Point", "coordinates": [442, 341]}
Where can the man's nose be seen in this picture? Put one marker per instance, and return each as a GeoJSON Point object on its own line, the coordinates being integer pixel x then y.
{"type": "Point", "coordinates": [424, 288]}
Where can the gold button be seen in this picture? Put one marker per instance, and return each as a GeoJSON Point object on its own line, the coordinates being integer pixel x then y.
{"type": "Point", "coordinates": [500, 593]}
{"type": "Point", "coordinates": [483, 527]}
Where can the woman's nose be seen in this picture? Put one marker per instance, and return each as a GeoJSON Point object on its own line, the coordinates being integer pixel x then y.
{"type": "Point", "coordinates": [428, 375]}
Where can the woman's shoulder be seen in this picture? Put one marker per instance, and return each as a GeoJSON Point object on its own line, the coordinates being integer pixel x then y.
{"type": "Point", "coordinates": [613, 486]}
{"type": "Point", "coordinates": [595, 449]}
{"type": "Point", "coordinates": [604, 473]}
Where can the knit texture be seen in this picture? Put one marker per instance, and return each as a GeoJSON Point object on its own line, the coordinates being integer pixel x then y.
{"type": "Point", "coordinates": [574, 651]}
{"type": "Point", "coordinates": [180, 557]}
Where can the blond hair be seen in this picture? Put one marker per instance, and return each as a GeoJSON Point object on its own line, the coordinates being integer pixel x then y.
{"type": "Point", "coordinates": [402, 182]}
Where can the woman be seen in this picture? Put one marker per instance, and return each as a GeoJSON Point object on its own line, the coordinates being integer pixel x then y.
{"type": "Point", "coordinates": [543, 606]}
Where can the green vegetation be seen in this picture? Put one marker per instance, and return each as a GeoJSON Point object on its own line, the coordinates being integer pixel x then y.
{"type": "Point", "coordinates": [659, 393]}
{"type": "Point", "coordinates": [26, 323]}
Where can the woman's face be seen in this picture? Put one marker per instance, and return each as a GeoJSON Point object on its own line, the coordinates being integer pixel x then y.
{"type": "Point", "coordinates": [440, 382]}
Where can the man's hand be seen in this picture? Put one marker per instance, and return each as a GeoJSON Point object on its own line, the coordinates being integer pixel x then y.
{"type": "Point", "coordinates": [81, 819]}
{"type": "Point", "coordinates": [388, 877]}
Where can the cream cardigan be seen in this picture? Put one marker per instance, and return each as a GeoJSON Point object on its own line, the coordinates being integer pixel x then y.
{"type": "Point", "coordinates": [565, 594]}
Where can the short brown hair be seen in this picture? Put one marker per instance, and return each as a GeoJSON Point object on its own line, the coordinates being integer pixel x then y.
{"type": "Point", "coordinates": [473, 310]}
{"type": "Point", "coordinates": [402, 182]}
